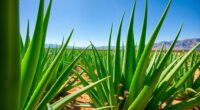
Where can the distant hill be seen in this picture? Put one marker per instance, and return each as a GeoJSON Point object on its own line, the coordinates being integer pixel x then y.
{"type": "Point", "coordinates": [52, 45]}
{"type": "Point", "coordinates": [185, 44]}
{"type": "Point", "coordinates": [58, 46]}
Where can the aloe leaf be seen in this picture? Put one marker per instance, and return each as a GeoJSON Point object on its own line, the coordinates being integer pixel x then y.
{"type": "Point", "coordinates": [171, 73]}
{"type": "Point", "coordinates": [101, 88]}
{"type": "Point", "coordinates": [109, 63]}
{"type": "Point", "coordinates": [159, 55]}
{"type": "Point", "coordinates": [27, 42]}
{"type": "Point", "coordinates": [143, 33]}
{"type": "Point", "coordinates": [188, 74]}
{"type": "Point", "coordinates": [49, 107]}
{"type": "Point", "coordinates": [129, 59]}
{"type": "Point", "coordinates": [180, 83]}
{"type": "Point", "coordinates": [56, 86]}
{"type": "Point", "coordinates": [45, 26]}
{"type": "Point", "coordinates": [61, 103]}
{"type": "Point", "coordinates": [164, 84]}
{"type": "Point", "coordinates": [112, 99]}
{"type": "Point", "coordinates": [68, 84]}
{"type": "Point", "coordinates": [191, 79]}
{"type": "Point", "coordinates": [163, 61]}
{"type": "Point", "coordinates": [93, 95]}
{"type": "Point", "coordinates": [106, 107]}
{"type": "Point", "coordinates": [33, 101]}
{"type": "Point", "coordinates": [139, 74]}
{"type": "Point", "coordinates": [10, 55]}
{"type": "Point", "coordinates": [151, 67]}
{"type": "Point", "coordinates": [163, 74]}
{"type": "Point", "coordinates": [117, 68]}
{"type": "Point", "coordinates": [90, 73]}
{"type": "Point", "coordinates": [31, 58]}
{"type": "Point", "coordinates": [144, 96]}
{"type": "Point", "coordinates": [39, 65]}
{"type": "Point", "coordinates": [167, 69]}
{"type": "Point", "coordinates": [21, 47]}
{"type": "Point", "coordinates": [101, 66]}
{"type": "Point", "coordinates": [87, 105]}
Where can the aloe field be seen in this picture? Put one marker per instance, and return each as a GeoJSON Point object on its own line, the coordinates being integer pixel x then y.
{"type": "Point", "coordinates": [125, 76]}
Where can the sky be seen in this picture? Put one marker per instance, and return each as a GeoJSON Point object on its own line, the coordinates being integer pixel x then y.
{"type": "Point", "coordinates": [92, 19]}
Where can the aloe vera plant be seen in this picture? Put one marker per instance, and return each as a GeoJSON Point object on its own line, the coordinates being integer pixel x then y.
{"type": "Point", "coordinates": [10, 55]}
{"type": "Point", "coordinates": [130, 77]}
{"type": "Point", "coordinates": [32, 84]}
{"type": "Point", "coordinates": [141, 80]}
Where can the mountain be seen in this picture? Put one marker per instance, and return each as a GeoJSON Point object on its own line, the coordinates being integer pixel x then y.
{"type": "Point", "coordinates": [185, 44]}
{"type": "Point", "coordinates": [52, 46]}
{"type": "Point", "coordinates": [58, 46]}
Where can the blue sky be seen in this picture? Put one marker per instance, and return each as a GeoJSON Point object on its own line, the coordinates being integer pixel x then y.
{"type": "Point", "coordinates": [92, 19]}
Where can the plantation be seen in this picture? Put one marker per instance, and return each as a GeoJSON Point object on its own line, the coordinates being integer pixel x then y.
{"type": "Point", "coordinates": [128, 77]}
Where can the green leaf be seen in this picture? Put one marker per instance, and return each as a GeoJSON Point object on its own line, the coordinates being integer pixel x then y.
{"type": "Point", "coordinates": [39, 65]}
{"type": "Point", "coordinates": [143, 33]}
{"type": "Point", "coordinates": [109, 53]}
{"type": "Point", "coordinates": [188, 74]}
{"type": "Point", "coordinates": [38, 92]}
{"type": "Point", "coordinates": [112, 98]}
{"type": "Point", "coordinates": [10, 55]}
{"type": "Point", "coordinates": [117, 68]}
{"type": "Point", "coordinates": [142, 65]}
{"type": "Point", "coordinates": [164, 84]}
{"type": "Point", "coordinates": [61, 103]}
{"type": "Point", "coordinates": [27, 42]}
{"type": "Point", "coordinates": [31, 58]}
{"type": "Point", "coordinates": [59, 82]}
{"type": "Point", "coordinates": [179, 64]}
{"type": "Point", "coordinates": [92, 93]}
{"type": "Point", "coordinates": [144, 96]}
{"type": "Point", "coordinates": [129, 59]}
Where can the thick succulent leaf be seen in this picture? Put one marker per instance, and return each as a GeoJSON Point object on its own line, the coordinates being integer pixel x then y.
{"type": "Point", "coordinates": [21, 48]}
{"type": "Point", "coordinates": [61, 103]}
{"type": "Point", "coordinates": [142, 65]}
{"type": "Point", "coordinates": [59, 82]}
{"type": "Point", "coordinates": [109, 63]}
{"type": "Point", "coordinates": [180, 83]}
{"type": "Point", "coordinates": [38, 92]}
{"type": "Point", "coordinates": [144, 96]}
{"type": "Point", "coordinates": [31, 58]}
{"type": "Point", "coordinates": [130, 57]}
{"type": "Point", "coordinates": [179, 64]}
{"type": "Point", "coordinates": [10, 55]}
{"type": "Point", "coordinates": [39, 65]}
{"type": "Point", "coordinates": [27, 42]}
{"type": "Point", "coordinates": [92, 93]}
{"type": "Point", "coordinates": [112, 98]}
{"type": "Point", "coordinates": [143, 34]}
{"type": "Point", "coordinates": [117, 67]}
{"type": "Point", "coordinates": [164, 84]}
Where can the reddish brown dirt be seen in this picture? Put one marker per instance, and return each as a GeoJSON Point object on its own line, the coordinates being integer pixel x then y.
{"type": "Point", "coordinates": [197, 73]}
{"type": "Point", "coordinates": [82, 99]}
